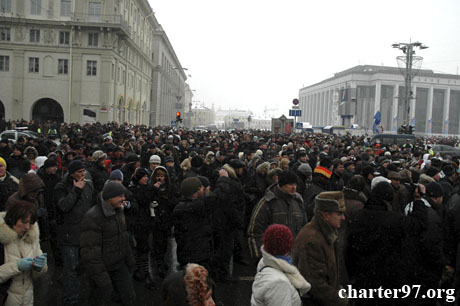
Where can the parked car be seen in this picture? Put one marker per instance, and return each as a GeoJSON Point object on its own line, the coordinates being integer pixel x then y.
{"type": "Point", "coordinates": [13, 135]}
{"type": "Point", "coordinates": [445, 150]}
{"type": "Point", "coordinates": [390, 139]}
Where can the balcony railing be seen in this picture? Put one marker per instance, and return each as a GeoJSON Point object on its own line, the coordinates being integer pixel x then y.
{"type": "Point", "coordinates": [108, 19]}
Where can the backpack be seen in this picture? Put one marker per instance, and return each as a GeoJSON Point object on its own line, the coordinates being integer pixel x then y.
{"type": "Point", "coordinates": [6, 285]}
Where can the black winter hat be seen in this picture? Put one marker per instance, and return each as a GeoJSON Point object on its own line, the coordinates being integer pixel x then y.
{"type": "Point", "coordinates": [50, 162]}
{"type": "Point", "coordinates": [448, 170]}
{"type": "Point", "coordinates": [189, 186]}
{"type": "Point", "coordinates": [196, 161]}
{"type": "Point", "coordinates": [432, 171]}
{"type": "Point", "coordinates": [383, 190]}
{"type": "Point", "coordinates": [139, 173]}
{"type": "Point", "coordinates": [434, 190]}
{"type": "Point", "coordinates": [75, 165]}
{"type": "Point", "coordinates": [236, 163]}
{"type": "Point", "coordinates": [287, 177]}
{"type": "Point", "coordinates": [112, 189]}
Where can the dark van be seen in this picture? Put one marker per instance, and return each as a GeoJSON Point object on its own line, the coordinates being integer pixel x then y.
{"type": "Point", "coordinates": [390, 139]}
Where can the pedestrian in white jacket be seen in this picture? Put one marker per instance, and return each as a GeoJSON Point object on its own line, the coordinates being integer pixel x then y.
{"type": "Point", "coordinates": [23, 259]}
{"type": "Point", "coordinates": [277, 282]}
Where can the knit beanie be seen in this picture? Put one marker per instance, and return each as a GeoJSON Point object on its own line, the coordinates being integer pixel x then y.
{"type": "Point", "coordinates": [434, 190]}
{"type": "Point", "coordinates": [112, 189]}
{"type": "Point", "coordinates": [324, 172]}
{"type": "Point", "coordinates": [75, 165]}
{"type": "Point", "coordinates": [2, 162]}
{"type": "Point", "coordinates": [287, 177]}
{"type": "Point", "coordinates": [116, 175]}
{"type": "Point", "coordinates": [278, 239]}
{"type": "Point", "coordinates": [189, 186]}
{"type": "Point", "coordinates": [155, 159]}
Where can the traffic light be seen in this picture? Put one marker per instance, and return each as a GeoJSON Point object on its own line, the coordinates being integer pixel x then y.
{"type": "Point", "coordinates": [178, 118]}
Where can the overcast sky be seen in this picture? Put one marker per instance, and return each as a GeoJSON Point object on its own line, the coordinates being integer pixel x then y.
{"type": "Point", "coordinates": [252, 54]}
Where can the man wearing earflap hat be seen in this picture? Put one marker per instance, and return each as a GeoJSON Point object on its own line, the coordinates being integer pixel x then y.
{"type": "Point", "coordinates": [281, 204]}
{"type": "Point", "coordinates": [379, 247]}
{"type": "Point", "coordinates": [315, 250]}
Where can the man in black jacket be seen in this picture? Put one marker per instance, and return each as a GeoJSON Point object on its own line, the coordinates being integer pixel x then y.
{"type": "Point", "coordinates": [73, 197]}
{"type": "Point", "coordinates": [98, 173]}
{"type": "Point", "coordinates": [105, 249]}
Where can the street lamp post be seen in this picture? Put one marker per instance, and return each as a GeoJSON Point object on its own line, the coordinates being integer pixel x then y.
{"type": "Point", "coordinates": [409, 58]}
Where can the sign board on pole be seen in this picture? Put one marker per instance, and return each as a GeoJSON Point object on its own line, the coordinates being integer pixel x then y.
{"type": "Point", "coordinates": [173, 123]}
{"type": "Point", "coordinates": [295, 112]}
{"type": "Point", "coordinates": [299, 125]}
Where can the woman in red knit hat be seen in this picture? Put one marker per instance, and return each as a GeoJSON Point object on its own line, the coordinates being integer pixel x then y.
{"type": "Point", "coordinates": [277, 282]}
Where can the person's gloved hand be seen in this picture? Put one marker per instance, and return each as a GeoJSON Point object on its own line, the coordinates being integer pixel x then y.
{"type": "Point", "coordinates": [25, 264]}
{"type": "Point", "coordinates": [42, 213]}
{"type": "Point", "coordinates": [39, 262]}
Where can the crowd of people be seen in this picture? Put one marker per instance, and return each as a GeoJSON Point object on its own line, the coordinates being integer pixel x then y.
{"type": "Point", "coordinates": [316, 213]}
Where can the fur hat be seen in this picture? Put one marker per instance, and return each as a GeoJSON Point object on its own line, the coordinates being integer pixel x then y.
{"type": "Point", "coordinates": [278, 239]}
{"type": "Point", "coordinates": [377, 180]}
{"type": "Point", "coordinates": [434, 190]}
{"type": "Point", "coordinates": [98, 155]}
{"type": "Point", "coordinates": [287, 177]}
{"type": "Point", "coordinates": [392, 175]}
{"type": "Point", "coordinates": [189, 186]}
{"type": "Point", "coordinates": [112, 189]}
{"type": "Point", "coordinates": [330, 201]}
{"type": "Point", "coordinates": [382, 190]}
{"type": "Point", "coordinates": [75, 165]}
{"type": "Point", "coordinates": [155, 159]}
{"type": "Point", "coordinates": [305, 169]}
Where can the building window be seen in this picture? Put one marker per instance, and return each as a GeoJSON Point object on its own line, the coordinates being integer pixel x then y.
{"type": "Point", "coordinates": [64, 37]}
{"type": "Point", "coordinates": [63, 66]}
{"type": "Point", "coordinates": [34, 36]}
{"type": "Point", "coordinates": [34, 64]}
{"type": "Point", "coordinates": [93, 39]}
{"type": "Point", "coordinates": [5, 34]}
{"type": "Point", "coordinates": [5, 6]}
{"type": "Point", "coordinates": [94, 11]}
{"type": "Point", "coordinates": [36, 7]}
{"type": "Point", "coordinates": [66, 6]}
{"type": "Point", "coordinates": [4, 63]}
{"type": "Point", "coordinates": [91, 68]}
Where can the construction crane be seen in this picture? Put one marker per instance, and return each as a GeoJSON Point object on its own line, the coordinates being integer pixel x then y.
{"type": "Point", "coordinates": [268, 110]}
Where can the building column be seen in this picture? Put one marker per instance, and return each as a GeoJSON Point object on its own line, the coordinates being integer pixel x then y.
{"type": "Point", "coordinates": [445, 115]}
{"type": "Point", "coordinates": [394, 112]}
{"type": "Point", "coordinates": [378, 92]}
{"type": "Point", "coordinates": [429, 110]}
{"type": "Point", "coordinates": [16, 111]}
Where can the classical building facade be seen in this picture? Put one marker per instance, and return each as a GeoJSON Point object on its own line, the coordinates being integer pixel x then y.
{"type": "Point", "coordinates": [202, 116]}
{"type": "Point", "coordinates": [355, 95]}
{"type": "Point", "coordinates": [170, 93]}
{"type": "Point", "coordinates": [83, 61]}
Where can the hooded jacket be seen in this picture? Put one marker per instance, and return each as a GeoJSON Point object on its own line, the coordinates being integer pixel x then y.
{"type": "Point", "coordinates": [27, 183]}
{"type": "Point", "coordinates": [21, 290]}
{"type": "Point", "coordinates": [275, 207]}
{"type": "Point", "coordinates": [276, 283]}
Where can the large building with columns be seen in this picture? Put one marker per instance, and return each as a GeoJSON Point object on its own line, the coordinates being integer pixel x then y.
{"type": "Point", "coordinates": [355, 95]}
{"type": "Point", "coordinates": [87, 61]}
